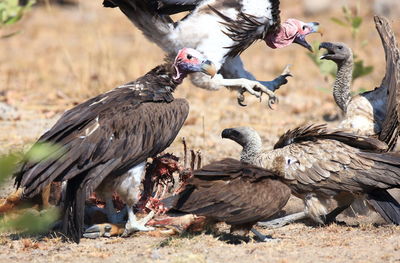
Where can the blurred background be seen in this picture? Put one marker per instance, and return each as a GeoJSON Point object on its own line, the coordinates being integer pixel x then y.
{"type": "Point", "coordinates": [62, 52]}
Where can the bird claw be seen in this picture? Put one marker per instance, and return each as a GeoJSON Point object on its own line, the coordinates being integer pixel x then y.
{"type": "Point", "coordinates": [257, 89]}
{"type": "Point", "coordinates": [139, 225]}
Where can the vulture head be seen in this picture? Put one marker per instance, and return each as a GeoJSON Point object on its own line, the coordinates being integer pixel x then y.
{"type": "Point", "coordinates": [337, 52]}
{"type": "Point", "coordinates": [189, 61]}
{"type": "Point", "coordinates": [245, 136]}
{"type": "Point", "coordinates": [292, 31]}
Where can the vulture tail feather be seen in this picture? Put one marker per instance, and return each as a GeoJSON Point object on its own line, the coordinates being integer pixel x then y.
{"type": "Point", "coordinates": [74, 209]}
{"type": "Point", "coordinates": [384, 203]}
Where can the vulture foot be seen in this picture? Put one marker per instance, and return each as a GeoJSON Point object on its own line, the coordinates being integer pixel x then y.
{"type": "Point", "coordinates": [263, 238]}
{"type": "Point", "coordinates": [134, 225]}
{"type": "Point", "coordinates": [103, 230]}
{"type": "Point", "coordinates": [280, 222]}
{"type": "Point", "coordinates": [255, 88]}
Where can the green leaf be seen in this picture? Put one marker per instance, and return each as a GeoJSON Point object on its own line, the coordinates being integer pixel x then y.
{"type": "Point", "coordinates": [360, 70]}
{"type": "Point", "coordinates": [43, 151]}
{"type": "Point", "coordinates": [356, 22]}
{"type": "Point", "coordinates": [7, 166]}
{"type": "Point", "coordinates": [30, 221]}
{"type": "Point", "coordinates": [339, 22]}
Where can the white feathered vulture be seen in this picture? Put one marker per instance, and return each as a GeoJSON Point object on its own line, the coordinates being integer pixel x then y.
{"type": "Point", "coordinates": [107, 140]}
{"type": "Point", "coordinates": [220, 29]}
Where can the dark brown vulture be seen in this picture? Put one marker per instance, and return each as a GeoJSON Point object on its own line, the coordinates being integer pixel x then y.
{"type": "Point", "coordinates": [107, 140]}
{"type": "Point", "coordinates": [320, 166]}
{"type": "Point", "coordinates": [234, 192]}
{"type": "Point", "coordinates": [222, 30]}
{"type": "Point", "coordinates": [372, 113]}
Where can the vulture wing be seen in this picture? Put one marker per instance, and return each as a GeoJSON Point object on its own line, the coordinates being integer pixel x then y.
{"type": "Point", "coordinates": [233, 192]}
{"type": "Point", "coordinates": [391, 82]}
{"type": "Point", "coordinates": [331, 162]}
{"type": "Point", "coordinates": [110, 133]}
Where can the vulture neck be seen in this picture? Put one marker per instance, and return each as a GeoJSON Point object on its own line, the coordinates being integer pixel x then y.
{"type": "Point", "coordinates": [251, 149]}
{"type": "Point", "coordinates": [342, 85]}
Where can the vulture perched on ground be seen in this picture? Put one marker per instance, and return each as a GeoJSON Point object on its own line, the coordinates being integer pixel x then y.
{"type": "Point", "coordinates": [107, 140]}
{"type": "Point", "coordinates": [231, 191]}
{"type": "Point", "coordinates": [372, 113]}
{"type": "Point", "coordinates": [222, 30]}
{"type": "Point", "coordinates": [321, 166]}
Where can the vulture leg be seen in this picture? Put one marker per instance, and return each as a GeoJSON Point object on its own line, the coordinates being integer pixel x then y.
{"type": "Point", "coordinates": [263, 238]}
{"type": "Point", "coordinates": [278, 81]}
{"type": "Point", "coordinates": [129, 191]}
{"type": "Point", "coordinates": [331, 217]}
{"type": "Point", "coordinates": [113, 216]}
{"type": "Point", "coordinates": [134, 224]}
{"type": "Point", "coordinates": [280, 222]}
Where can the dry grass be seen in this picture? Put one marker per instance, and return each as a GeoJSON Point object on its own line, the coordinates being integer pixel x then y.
{"type": "Point", "coordinates": [64, 56]}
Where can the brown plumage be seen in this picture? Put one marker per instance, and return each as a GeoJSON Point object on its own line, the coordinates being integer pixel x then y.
{"type": "Point", "coordinates": [107, 140]}
{"type": "Point", "coordinates": [321, 165]}
{"type": "Point", "coordinates": [231, 191]}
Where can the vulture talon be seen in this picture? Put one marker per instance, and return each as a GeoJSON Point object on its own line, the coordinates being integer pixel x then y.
{"type": "Point", "coordinates": [240, 97]}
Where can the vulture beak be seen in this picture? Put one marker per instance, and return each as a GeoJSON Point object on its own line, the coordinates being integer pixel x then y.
{"type": "Point", "coordinates": [300, 39]}
{"type": "Point", "coordinates": [228, 133]}
{"type": "Point", "coordinates": [208, 68]}
{"type": "Point", "coordinates": [328, 46]}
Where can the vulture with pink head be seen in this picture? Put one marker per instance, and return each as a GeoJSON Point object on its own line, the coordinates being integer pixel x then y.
{"type": "Point", "coordinates": [222, 30]}
{"type": "Point", "coordinates": [105, 142]}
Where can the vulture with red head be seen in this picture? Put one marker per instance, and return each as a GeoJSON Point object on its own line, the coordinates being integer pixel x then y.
{"type": "Point", "coordinates": [222, 30]}
{"type": "Point", "coordinates": [106, 141]}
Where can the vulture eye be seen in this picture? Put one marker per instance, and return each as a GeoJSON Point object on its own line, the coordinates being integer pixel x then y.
{"type": "Point", "coordinates": [189, 56]}
{"type": "Point", "coordinates": [340, 47]}
{"type": "Point", "coordinates": [304, 28]}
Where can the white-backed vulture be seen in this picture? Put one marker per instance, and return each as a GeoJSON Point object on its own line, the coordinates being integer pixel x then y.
{"type": "Point", "coordinates": [321, 165]}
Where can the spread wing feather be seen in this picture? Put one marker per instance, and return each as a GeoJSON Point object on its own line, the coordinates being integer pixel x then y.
{"type": "Point", "coordinates": [391, 81]}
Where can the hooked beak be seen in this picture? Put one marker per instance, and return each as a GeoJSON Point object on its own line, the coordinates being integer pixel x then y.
{"type": "Point", "coordinates": [228, 133]}
{"type": "Point", "coordinates": [208, 68]}
{"type": "Point", "coordinates": [328, 46]}
{"type": "Point", "coordinates": [301, 38]}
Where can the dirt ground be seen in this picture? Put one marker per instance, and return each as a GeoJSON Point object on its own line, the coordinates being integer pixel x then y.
{"type": "Point", "coordinates": [62, 56]}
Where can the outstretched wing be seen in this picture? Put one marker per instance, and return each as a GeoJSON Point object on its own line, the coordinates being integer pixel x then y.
{"type": "Point", "coordinates": [105, 134]}
{"type": "Point", "coordinates": [233, 192]}
{"type": "Point", "coordinates": [391, 82]}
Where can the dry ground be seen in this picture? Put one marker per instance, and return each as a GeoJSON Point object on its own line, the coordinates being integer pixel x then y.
{"type": "Point", "coordinates": [63, 56]}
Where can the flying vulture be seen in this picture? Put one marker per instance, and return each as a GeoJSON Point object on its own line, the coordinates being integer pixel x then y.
{"type": "Point", "coordinates": [372, 113]}
{"type": "Point", "coordinates": [107, 140]}
{"type": "Point", "coordinates": [320, 166]}
{"type": "Point", "coordinates": [222, 30]}
{"type": "Point", "coordinates": [231, 191]}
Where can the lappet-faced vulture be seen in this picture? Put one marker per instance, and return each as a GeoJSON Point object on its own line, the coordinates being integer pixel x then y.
{"type": "Point", "coordinates": [222, 30]}
{"type": "Point", "coordinates": [106, 141]}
